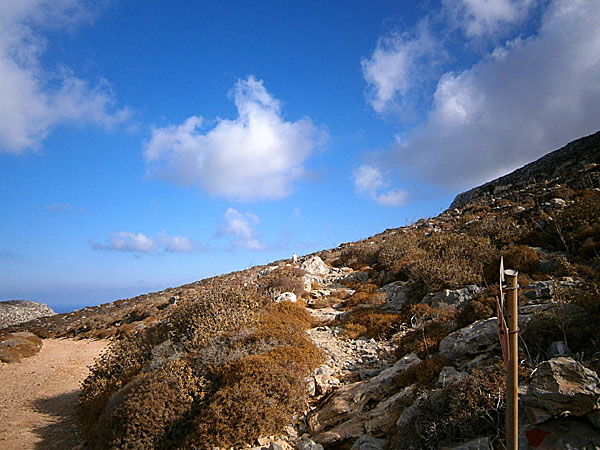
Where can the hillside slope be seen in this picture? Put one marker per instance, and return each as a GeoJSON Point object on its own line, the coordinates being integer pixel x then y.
{"type": "Point", "coordinates": [389, 342]}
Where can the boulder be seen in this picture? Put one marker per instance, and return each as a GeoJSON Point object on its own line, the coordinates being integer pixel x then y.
{"type": "Point", "coordinates": [286, 297]}
{"type": "Point", "coordinates": [561, 385]}
{"type": "Point", "coordinates": [396, 295]}
{"type": "Point", "coordinates": [563, 434]}
{"type": "Point", "coordinates": [477, 339]}
{"type": "Point", "coordinates": [472, 344]}
{"type": "Point", "coordinates": [456, 297]}
{"type": "Point", "coordinates": [315, 266]}
{"type": "Point", "coordinates": [367, 442]}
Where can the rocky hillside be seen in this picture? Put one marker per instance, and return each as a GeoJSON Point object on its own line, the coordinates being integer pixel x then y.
{"type": "Point", "coordinates": [19, 311]}
{"type": "Point", "coordinates": [389, 342]}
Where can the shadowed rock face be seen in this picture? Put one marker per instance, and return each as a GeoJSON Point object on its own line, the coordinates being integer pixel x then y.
{"type": "Point", "coordinates": [13, 312]}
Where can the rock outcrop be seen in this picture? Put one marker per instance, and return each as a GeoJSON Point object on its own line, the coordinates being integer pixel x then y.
{"type": "Point", "coordinates": [13, 312]}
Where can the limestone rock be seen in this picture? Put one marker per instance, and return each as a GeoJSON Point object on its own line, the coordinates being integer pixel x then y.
{"type": "Point", "coordinates": [286, 297]}
{"type": "Point", "coordinates": [315, 266]}
{"type": "Point", "coordinates": [362, 407]}
{"type": "Point", "coordinates": [395, 296]}
{"type": "Point", "coordinates": [560, 385]}
{"type": "Point", "coordinates": [306, 443]}
{"type": "Point", "coordinates": [542, 290]}
{"type": "Point", "coordinates": [564, 434]}
{"type": "Point", "coordinates": [479, 338]}
{"type": "Point", "coordinates": [449, 375]}
{"type": "Point", "coordinates": [13, 312]}
{"type": "Point", "coordinates": [367, 442]}
{"type": "Point", "coordinates": [456, 297]}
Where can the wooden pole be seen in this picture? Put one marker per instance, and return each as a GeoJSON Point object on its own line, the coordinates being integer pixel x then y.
{"type": "Point", "coordinates": [512, 376]}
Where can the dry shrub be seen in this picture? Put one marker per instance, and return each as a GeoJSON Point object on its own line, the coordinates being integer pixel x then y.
{"type": "Point", "coordinates": [578, 224]}
{"type": "Point", "coordinates": [259, 395]}
{"type": "Point", "coordinates": [187, 384]}
{"type": "Point", "coordinates": [476, 310]}
{"type": "Point", "coordinates": [452, 260]}
{"type": "Point", "coordinates": [365, 299]}
{"type": "Point", "coordinates": [460, 411]}
{"type": "Point", "coordinates": [358, 255]}
{"type": "Point", "coordinates": [282, 279]}
{"type": "Point", "coordinates": [370, 322]}
{"type": "Point", "coordinates": [429, 327]}
{"type": "Point", "coordinates": [398, 250]}
{"type": "Point", "coordinates": [501, 229]}
{"type": "Point", "coordinates": [425, 374]}
{"type": "Point", "coordinates": [521, 258]}
{"type": "Point", "coordinates": [152, 411]}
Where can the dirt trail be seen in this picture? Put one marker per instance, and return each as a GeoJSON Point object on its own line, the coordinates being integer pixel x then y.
{"type": "Point", "coordinates": [38, 396]}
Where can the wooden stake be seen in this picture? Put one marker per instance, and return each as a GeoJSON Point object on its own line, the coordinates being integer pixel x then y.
{"type": "Point", "coordinates": [512, 376]}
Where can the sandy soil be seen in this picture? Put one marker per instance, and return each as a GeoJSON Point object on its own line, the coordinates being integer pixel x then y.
{"type": "Point", "coordinates": [38, 396]}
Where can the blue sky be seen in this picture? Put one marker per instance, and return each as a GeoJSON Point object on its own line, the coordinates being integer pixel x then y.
{"type": "Point", "coordinates": [148, 144]}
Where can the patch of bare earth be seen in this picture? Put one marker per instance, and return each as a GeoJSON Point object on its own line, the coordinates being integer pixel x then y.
{"type": "Point", "coordinates": [38, 396]}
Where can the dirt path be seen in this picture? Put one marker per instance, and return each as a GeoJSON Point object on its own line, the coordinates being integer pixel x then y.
{"type": "Point", "coordinates": [38, 395]}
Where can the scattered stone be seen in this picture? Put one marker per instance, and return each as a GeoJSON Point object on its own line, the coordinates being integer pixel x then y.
{"type": "Point", "coordinates": [306, 443]}
{"type": "Point", "coordinates": [371, 405]}
{"type": "Point", "coordinates": [560, 385]}
{"type": "Point", "coordinates": [558, 202]}
{"type": "Point", "coordinates": [540, 291]}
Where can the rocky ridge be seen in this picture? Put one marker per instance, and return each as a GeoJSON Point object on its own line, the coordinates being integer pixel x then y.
{"type": "Point", "coordinates": [13, 312]}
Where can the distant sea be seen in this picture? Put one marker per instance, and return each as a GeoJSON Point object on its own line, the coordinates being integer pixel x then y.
{"type": "Point", "coordinates": [70, 299]}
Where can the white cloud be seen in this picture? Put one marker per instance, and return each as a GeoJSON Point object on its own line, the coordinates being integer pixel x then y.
{"type": "Point", "coordinates": [239, 228]}
{"type": "Point", "coordinates": [398, 67]}
{"type": "Point", "coordinates": [178, 243]}
{"type": "Point", "coordinates": [254, 157]}
{"type": "Point", "coordinates": [125, 241]}
{"type": "Point", "coordinates": [487, 17]}
{"type": "Point", "coordinates": [36, 98]}
{"type": "Point", "coordinates": [369, 182]}
{"type": "Point", "coordinates": [525, 98]}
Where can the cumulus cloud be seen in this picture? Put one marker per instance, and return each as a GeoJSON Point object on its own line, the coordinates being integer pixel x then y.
{"type": "Point", "coordinates": [34, 97]}
{"type": "Point", "coordinates": [239, 228]}
{"type": "Point", "coordinates": [398, 67]}
{"type": "Point", "coordinates": [519, 101]}
{"type": "Point", "coordinates": [125, 241]}
{"type": "Point", "coordinates": [487, 17]}
{"type": "Point", "coordinates": [369, 182]}
{"type": "Point", "coordinates": [257, 156]}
